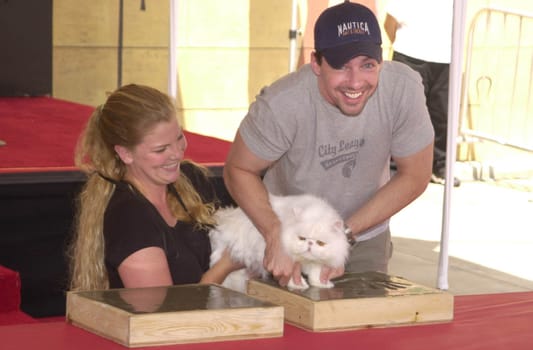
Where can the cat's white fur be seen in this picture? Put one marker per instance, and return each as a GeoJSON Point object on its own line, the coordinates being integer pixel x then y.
{"type": "Point", "coordinates": [312, 233]}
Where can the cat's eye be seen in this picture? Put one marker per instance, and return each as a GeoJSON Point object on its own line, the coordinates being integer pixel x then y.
{"type": "Point", "coordinates": [321, 243]}
{"type": "Point", "coordinates": [301, 238]}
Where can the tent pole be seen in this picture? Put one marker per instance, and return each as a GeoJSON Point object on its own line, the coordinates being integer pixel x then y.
{"type": "Point", "coordinates": [459, 9]}
{"type": "Point", "coordinates": [293, 34]}
{"type": "Point", "coordinates": [172, 64]}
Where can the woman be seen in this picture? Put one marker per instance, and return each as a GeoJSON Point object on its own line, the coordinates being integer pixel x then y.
{"type": "Point", "coordinates": [143, 214]}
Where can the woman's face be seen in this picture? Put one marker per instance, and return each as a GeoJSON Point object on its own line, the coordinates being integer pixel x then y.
{"type": "Point", "coordinates": [156, 160]}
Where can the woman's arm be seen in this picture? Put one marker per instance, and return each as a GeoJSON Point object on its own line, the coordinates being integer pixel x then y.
{"type": "Point", "coordinates": [222, 268]}
{"type": "Point", "coordinates": [146, 267]}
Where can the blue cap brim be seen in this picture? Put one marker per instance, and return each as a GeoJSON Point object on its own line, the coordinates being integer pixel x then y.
{"type": "Point", "coordinates": [338, 56]}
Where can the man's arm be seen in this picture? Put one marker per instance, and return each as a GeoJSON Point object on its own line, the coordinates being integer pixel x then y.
{"type": "Point", "coordinates": [242, 177]}
{"type": "Point", "coordinates": [409, 182]}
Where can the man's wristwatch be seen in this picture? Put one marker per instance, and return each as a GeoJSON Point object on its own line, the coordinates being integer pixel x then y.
{"type": "Point", "coordinates": [349, 235]}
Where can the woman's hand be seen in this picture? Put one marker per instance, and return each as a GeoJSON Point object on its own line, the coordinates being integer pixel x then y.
{"type": "Point", "coordinates": [222, 268]}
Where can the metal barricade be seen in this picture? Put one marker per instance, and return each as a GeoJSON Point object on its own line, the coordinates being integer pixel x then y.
{"type": "Point", "coordinates": [497, 96]}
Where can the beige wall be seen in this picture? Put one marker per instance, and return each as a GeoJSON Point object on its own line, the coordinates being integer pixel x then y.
{"type": "Point", "coordinates": [225, 54]}
{"type": "Point", "coordinates": [85, 42]}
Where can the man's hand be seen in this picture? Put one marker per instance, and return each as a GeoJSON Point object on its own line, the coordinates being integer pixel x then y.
{"type": "Point", "coordinates": [279, 264]}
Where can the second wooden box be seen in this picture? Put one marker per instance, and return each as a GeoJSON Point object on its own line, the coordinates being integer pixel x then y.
{"type": "Point", "coordinates": [358, 300]}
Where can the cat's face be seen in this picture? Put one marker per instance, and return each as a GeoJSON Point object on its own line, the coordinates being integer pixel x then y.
{"type": "Point", "coordinates": [317, 236]}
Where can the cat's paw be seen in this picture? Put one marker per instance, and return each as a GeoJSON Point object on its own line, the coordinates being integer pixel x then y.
{"type": "Point", "coordinates": [292, 285]}
{"type": "Point", "coordinates": [319, 284]}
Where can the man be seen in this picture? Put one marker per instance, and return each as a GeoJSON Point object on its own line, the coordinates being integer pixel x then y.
{"type": "Point", "coordinates": [421, 34]}
{"type": "Point", "coordinates": [331, 129]}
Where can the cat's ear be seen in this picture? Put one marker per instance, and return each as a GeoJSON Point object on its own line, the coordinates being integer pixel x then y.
{"type": "Point", "coordinates": [339, 225]}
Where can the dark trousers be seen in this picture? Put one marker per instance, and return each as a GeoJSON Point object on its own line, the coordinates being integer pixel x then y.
{"type": "Point", "coordinates": [371, 255]}
{"type": "Point", "coordinates": [435, 77]}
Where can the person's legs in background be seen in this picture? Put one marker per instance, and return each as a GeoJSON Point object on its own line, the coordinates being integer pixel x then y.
{"type": "Point", "coordinates": [435, 77]}
{"type": "Point", "coordinates": [437, 102]}
{"type": "Point", "coordinates": [371, 255]}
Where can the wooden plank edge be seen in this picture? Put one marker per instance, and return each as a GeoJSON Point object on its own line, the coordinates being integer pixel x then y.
{"type": "Point", "coordinates": [84, 314]}
{"type": "Point", "coordinates": [391, 311]}
{"type": "Point", "coordinates": [297, 311]}
{"type": "Point", "coordinates": [309, 315]}
{"type": "Point", "coordinates": [202, 326]}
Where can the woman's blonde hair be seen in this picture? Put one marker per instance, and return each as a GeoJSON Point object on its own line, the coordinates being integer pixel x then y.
{"type": "Point", "coordinates": [127, 115]}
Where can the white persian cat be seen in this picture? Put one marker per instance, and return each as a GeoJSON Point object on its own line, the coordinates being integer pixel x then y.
{"type": "Point", "coordinates": [312, 233]}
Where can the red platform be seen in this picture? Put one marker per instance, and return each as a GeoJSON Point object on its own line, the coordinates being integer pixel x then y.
{"type": "Point", "coordinates": [41, 135]}
{"type": "Point", "coordinates": [482, 322]}
{"type": "Point", "coordinates": [9, 290]}
{"type": "Point", "coordinates": [10, 299]}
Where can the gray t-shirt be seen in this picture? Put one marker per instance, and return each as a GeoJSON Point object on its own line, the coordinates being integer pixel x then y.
{"type": "Point", "coordinates": [319, 150]}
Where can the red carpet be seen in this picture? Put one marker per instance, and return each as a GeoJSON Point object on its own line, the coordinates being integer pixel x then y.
{"type": "Point", "coordinates": [41, 134]}
{"type": "Point", "coordinates": [482, 322]}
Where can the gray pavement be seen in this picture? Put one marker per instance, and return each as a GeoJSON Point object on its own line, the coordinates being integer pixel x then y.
{"type": "Point", "coordinates": [490, 241]}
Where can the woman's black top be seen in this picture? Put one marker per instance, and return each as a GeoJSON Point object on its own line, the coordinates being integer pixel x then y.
{"type": "Point", "coordinates": [132, 223]}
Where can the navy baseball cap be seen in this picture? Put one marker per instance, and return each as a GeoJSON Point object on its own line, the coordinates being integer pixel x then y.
{"type": "Point", "coordinates": [345, 31]}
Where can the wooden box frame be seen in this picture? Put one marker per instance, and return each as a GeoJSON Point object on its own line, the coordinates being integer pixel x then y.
{"type": "Point", "coordinates": [172, 315]}
{"type": "Point", "coordinates": [358, 300]}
